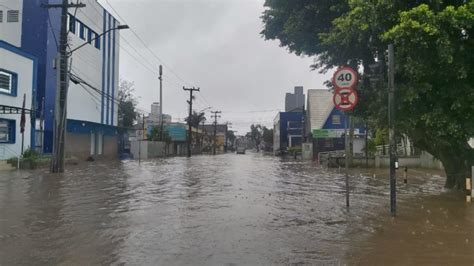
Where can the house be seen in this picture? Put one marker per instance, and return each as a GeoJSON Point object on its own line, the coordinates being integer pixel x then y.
{"type": "Point", "coordinates": [325, 124]}
{"type": "Point", "coordinates": [92, 94]}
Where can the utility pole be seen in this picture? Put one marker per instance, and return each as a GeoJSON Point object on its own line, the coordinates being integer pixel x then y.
{"type": "Point", "coordinates": [215, 116]}
{"type": "Point", "coordinates": [60, 115]}
{"type": "Point", "coordinates": [190, 102]}
{"type": "Point", "coordinates": [161, 101]}
{"type": "Point", "coordinates": [226, 136]}
{"type": "Point", "coordinates": [346, 161]}
{"type": "Point", "coordinates": [391, 134]}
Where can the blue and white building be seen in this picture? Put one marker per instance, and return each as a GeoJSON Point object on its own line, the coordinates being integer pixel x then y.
{"type": "Point", "coordinates": [18, 81]}
{"type": "Point", "coordinates": [92, 103]}
{"type": "Point", "coordinates": [325, 124]}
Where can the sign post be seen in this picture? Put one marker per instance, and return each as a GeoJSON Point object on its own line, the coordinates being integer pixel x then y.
{"type": "Point", "coordinates": [345, 99]}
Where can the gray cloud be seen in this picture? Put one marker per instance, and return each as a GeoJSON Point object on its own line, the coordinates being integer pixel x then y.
{"type": "Point", "coordinates": [214, 45]}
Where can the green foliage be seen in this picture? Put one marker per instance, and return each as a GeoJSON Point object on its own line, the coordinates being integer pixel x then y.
{"type": "Point", "coordinates": [29, 153]}
{"type": "Point", "coordinates": [371, 146]}
{"type": "Point", "coordinates": [196, 119]}
{"type": "Point", "coordinates": [127, 104]}
{"type": "Point", "coordinates": [268, 135]}
{"type": "Point", "coordinates": [434, 50]}
{"type": "Point", "coordinates": [381, 137]}
{"type": "Point", "coordinates": [155, 135]}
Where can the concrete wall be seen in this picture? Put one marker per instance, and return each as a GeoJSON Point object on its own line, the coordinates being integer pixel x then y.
{"type": "Point", "coordinates": [150, 149]}
{"type": "Point", "coordinates": [425, 160]}
{"type": "Point", "coordinates": [79, 146]}
{"type": "Point", "coordinates": [307, 151]}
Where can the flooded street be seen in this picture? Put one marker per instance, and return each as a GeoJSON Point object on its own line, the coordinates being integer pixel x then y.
{"type": "Point", "coordinates": [226, 210]}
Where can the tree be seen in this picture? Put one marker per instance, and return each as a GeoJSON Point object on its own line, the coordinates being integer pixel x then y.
{"type": "Point", "coordinates": [155, 134]}
{"type": "Point", "coordinates": [256, 133]}
{"type": "Point", "coordinates": [434, 50]}
{"type": "Point", "coordinates": [127, 104]}
{"type": "Point", "coordinates": [267, 137]}
{"type": "Point", "coordinates": [196, 118]}
{"type": "Point", "coordinates": [231, 138]}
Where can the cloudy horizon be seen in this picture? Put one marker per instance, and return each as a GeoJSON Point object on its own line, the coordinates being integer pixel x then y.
{"type": "Point", "coordinates": [211, 44]}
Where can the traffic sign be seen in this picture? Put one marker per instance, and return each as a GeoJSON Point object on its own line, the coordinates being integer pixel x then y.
{"type": "Point", "coordinates": [345, 99]}
{"type": "Point", "coordinates": [345, 77]}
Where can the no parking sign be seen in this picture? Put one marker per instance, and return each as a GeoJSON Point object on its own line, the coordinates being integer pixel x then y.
{"type": "Point", "coordinates": [345, 97]}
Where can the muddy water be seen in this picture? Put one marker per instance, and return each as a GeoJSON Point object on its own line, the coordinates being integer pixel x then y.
{"type": "Point", "coordinates": [225, 210]}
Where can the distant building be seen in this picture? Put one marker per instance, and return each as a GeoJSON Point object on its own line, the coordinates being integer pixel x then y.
{"type": "Point", "coordinates": [287, 131]}
{"type": "Point", "coordinates": [325, 124]}
{"type": "Point", "coordinates": [220, 140]}
{"type": "Point", "coordinates": [294, 102]}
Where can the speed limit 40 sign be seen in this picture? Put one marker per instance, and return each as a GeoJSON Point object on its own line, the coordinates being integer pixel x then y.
{"type": "Point", "coordinates": [345, 77]}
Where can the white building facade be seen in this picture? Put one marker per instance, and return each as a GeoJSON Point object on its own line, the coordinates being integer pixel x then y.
{"type": "Point", "coordinates": [18, 82]}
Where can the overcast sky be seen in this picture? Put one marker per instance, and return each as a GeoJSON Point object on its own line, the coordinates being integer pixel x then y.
{"type": "Point", "coordinates": [214, 45]}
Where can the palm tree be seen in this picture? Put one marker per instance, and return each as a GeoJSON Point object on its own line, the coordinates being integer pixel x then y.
{"type": "Point", "coordinates": [196, 118]}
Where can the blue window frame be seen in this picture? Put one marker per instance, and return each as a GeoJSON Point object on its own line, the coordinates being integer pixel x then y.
{"type": "Point", "coordinates": [90, 36]}
{"type": "Point", "coordinates": [8, 82]}
{"type": "Point", "coordinates": [97, 41]}
{"type": "Point", "coordinates": [72, 24]}
{"type": "Point", "coordinates": [7, 131]}
{"type": "Point", "coordinates": [82, 31]}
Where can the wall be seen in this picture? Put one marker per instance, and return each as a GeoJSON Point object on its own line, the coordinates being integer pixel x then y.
{"type": "Point", "coordinates": [424, 161]}
{"type": "Point", "coordinates": [25, 67]}
{"type": "Point", "coordinates": [11, 31]}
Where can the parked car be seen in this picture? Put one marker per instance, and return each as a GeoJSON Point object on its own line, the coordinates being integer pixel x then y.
{"type": "Point", "coordinates": [240, 150]}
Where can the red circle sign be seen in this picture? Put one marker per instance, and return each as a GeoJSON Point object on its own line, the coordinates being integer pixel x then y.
{"type": "Point", "coordinates": [345, 77]}
{"type": "Point", "coordinates": [345, 99]}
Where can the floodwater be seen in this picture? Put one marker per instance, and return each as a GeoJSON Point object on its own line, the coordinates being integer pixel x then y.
{"type": "Point", "coordinates": [227, 210]}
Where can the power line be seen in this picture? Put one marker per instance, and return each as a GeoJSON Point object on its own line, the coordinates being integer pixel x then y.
{"type": "Point", "coordinates": [146, 46]}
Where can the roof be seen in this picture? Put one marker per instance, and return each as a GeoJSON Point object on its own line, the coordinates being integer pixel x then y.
{"type": "Point", "coordinates": [320, 105]}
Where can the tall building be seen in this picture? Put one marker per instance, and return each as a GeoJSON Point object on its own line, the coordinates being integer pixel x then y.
{"type": "Point", "coordinates": [18, 83]}
{"type": "Point", "coordinates": [294, 102]}
{"type": "Point", "coordinates": [92, 98]}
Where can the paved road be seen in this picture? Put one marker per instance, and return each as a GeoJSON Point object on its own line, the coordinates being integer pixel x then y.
{"type": "Point", "coordinates": [223, 210]}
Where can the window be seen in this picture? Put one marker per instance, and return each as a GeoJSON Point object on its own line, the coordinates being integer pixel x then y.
{"type": "Point", "coordinates": [82, 31]}
{"type": "Point", "coordinates": [72, 24]}
{"type": "Point", "coordinates": [13, 16]}
{"type": "Point", "coordinates": [8, 81]}
{"type": "Point", "coordinates": [7, 131]}
{"type": "Point", "coordinates": [90, 36]}
{"type": "Point", "coordinates": [97, 41]}
{"type": "Point", "coordinates": [336, 119]}
{"type": "Point", "coordinates": [1, 15]}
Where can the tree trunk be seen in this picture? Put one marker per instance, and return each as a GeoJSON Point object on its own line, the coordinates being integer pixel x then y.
{"type": "Point", "coordinates": [457, 170]}
{"type": "Point", "coordinates": [457, 159]}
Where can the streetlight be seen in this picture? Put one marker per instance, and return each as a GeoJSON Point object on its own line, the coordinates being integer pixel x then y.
{"type": "Point", "coordinates": [60, 116]}
{"type": "Point", "coordinates": [119, 27]}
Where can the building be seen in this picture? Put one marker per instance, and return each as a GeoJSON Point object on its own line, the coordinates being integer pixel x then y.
{"type": "Point", "coordinates": [18, 83]}
{"type": "Point", "coordinates": [92, 96]}
{"type": "Point", "coordinates": [325, 125]}
{"type": "Point", "coordinates": [294, 102]}
{"type": "Point", "coordinates": [287, 131]}
{"type": "Point", "coordinates": [220, 138]}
